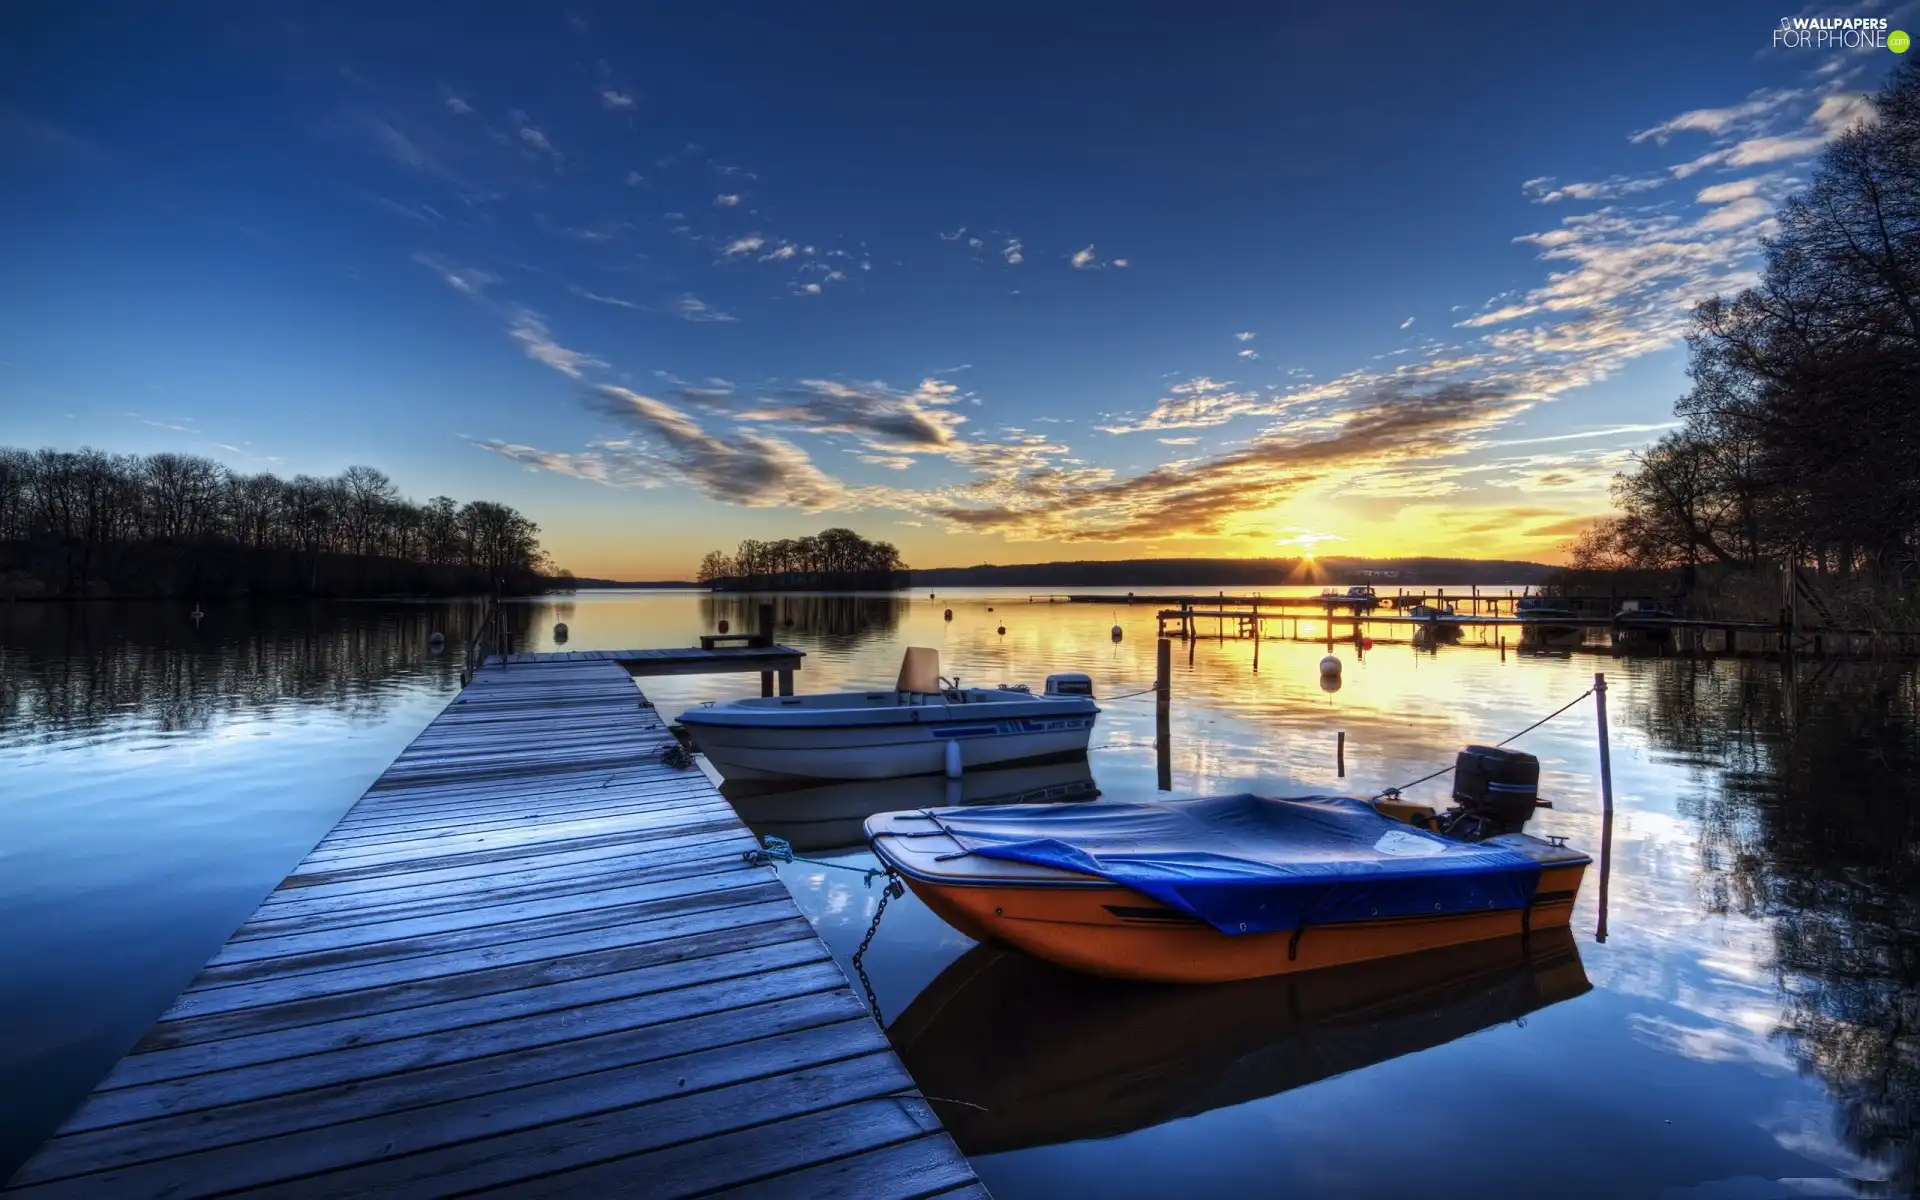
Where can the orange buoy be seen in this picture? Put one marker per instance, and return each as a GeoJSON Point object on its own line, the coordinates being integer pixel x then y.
{"type": "Point", "coordinates": [723, 626]}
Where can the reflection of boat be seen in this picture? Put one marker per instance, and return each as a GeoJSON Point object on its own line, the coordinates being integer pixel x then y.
{"type": "Point", "coordinates": [1035, 1055]}
{"type": "Point", "coordinates": [1548, 622]}
{"type": "Point", "coordinates": [911, 730]}
{"type": "Point", "coordinates": [1238, 887]}
{"type": "Point", "coordinates": [1644, 621]}
{"type": "Point", "coordinates": [830, 817]}
{"type": "Point", "coordinates": [1438, 623]}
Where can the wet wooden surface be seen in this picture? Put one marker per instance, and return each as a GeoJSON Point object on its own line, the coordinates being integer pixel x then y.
{"type": "Point", "coordinates": [530, 960]}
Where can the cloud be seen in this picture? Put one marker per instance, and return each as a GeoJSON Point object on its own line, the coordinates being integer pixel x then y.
{"type": "Point", "coordinates": [1013, 252]}
{"type": "Point", "coordinates": [955, 236]}
{"type": "Point", "coordinates": [1122, 263]}
{"type": "Point", "coordinates": [529, 329]}
{"type": "Point", "coordinates": [750, 244]}
{"type": "Point", "coordinates": [1244, 337]}
{"type": "Point", "coordinates": [614, 100]}
{"type": "Point", "coordinates": [690, 307]}
{"type": "Point", "coordinates": [780, 253]}
{"type": "Point", "coordinates": [887, 420]}
{"type": "Point", "coordinates": [468, 281]}
{"type": "Point", "coordinates": [636, 179]}
{"type": "Point", "coordinates": [1210, 497]}
{"type": "Point", "coordinates": [1249, 354]}
{"type": "Point", "coordinates": [458, 107]}
{"type": "Point", "coordinates": [532, 139]}
{"type": "Point", "coordinates": [1407, 324]}
{"type": "Point", "coordinates": [745, 467]}
{"type": "Point", "coordinates": [1545, 191]}
{"type": "Point", "coordinates": [1178, 441]}
{"type": "Point", "coordinates": [597, 298]}
{"type": "Point", "coordinates": [1084, 260]}
{"type": "Point", "coordinates": [806, 289]}
{"type": "Point", "coordinates": [1757, 106]}
{"type": "Point", "coordinates": [1196, 403]}
{"type": "Point", "coordinates": [726, 200]}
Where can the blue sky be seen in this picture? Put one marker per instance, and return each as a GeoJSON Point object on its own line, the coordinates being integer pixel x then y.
{"type": "Point", "coordinates": [1007, 283]}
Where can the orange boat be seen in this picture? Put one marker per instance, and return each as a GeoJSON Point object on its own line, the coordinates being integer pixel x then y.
{"type": "Point", "coordinates": [1231, 887]}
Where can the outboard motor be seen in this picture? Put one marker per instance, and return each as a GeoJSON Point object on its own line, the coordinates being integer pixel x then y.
{"type": "Point", "coordinates": [1495, 791]}
{"type": "Point", "coordinates": [1069, 683]}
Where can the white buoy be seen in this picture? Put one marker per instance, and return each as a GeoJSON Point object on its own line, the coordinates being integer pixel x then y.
{"type": "Point", "coordinates": [954, 766]}
{"type": "Point", "coordinates": [1118, 633]}
{"type": "Point", "coordinates": [1330, 665]}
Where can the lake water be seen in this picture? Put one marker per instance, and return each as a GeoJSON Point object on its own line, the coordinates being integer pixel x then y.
{"type": "Point", "coordinates": [1750, 1026]}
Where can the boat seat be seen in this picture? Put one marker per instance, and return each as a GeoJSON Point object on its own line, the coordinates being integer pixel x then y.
{"type": "Point", "coordinates": [920, 672]}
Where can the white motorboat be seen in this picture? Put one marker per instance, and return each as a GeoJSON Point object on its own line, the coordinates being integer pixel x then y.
{"type": "Point", "coordinates": [910, 730]}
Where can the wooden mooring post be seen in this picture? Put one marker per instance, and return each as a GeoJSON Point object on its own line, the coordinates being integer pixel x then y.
{"type": "Point", "coordinates": [1606, 801]}
{"type": "Point", "coordinates": [1162, 702]}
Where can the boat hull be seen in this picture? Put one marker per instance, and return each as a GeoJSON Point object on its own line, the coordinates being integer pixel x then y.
{"type": "Point", "coordinates": [1123, 934]}
{"type": "Point", "coordinates": [885, 751]}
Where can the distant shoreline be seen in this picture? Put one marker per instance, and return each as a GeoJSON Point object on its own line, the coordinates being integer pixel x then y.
{"type": "Point", "coordinates": [1216, 573]}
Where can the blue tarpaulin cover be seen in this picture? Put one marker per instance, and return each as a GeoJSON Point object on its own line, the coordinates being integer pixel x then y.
{"type": "Point", "coordinates": [1254, 864]}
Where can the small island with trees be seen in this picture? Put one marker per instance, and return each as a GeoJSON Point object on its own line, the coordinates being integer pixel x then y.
{"type": "Point", "coordinates": [831, 560]}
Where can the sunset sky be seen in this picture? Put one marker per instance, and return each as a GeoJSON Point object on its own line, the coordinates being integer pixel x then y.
{"type": "Point", "coordinates": [996, 283]}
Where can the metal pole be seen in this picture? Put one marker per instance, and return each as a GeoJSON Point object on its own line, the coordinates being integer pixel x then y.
{"type": "Point", "coordinates": [1606, 800]}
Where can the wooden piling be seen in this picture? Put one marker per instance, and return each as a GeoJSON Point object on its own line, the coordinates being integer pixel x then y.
{"type": "Point", "coordinates": [1162, 702]}
{"type": "Point", "coordinates": [1340, 753]}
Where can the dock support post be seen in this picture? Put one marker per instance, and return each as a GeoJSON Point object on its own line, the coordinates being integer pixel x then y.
{"type": "Point", "coordinates": [1162, 701]}
{"type": "Point", "coordinates": [1606, 799]}
{"type": "Point", "coordinates": [1340, 753]}
{"type": "Point", "coordinates": [764, 637]}
{"type": "Point", "coordinates": [786, 682]}
{"type": "Point", "coordinates": [766, 683]}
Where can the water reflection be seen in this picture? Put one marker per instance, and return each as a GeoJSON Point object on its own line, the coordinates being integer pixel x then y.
{"type": "Point", "coordinates": [832, 817]}
{"type": "Point", "coordinates": [1812, 828]}
{"type": "Point", "coordinates": [160, 775]}
{"type": "Point", "coordinates": [1075, 1057]}
{"type": "Point", "coordinates": [1750, 1032]}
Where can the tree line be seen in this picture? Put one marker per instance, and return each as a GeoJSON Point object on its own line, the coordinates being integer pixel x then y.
{"type": "Point", "coordinates": [832, 558]}
{"type": "Point", "coordinates": [1800, 437]}
{"type": "Point", "coordinates": [85, 522]}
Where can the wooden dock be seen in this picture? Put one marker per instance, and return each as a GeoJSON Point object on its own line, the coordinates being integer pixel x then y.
{"type": "Point", "coordinates": [530, 960]}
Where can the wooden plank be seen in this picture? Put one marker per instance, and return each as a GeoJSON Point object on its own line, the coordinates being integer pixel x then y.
{"type": "Point", "coordinates": [877, 1147]}
{"type": "Point", "coordinates": [924, 1166]}
{"type": "Point", "coordinates": [531, 951]}
{"type": "Point", "coordinates": [398, 1150]}
{"type": "Point", "coordinates": [781, 1090]}
{"type": "Point", "coordinates": [321, 1019]}
{"type": "Point", "coordinates": [164, 1136]}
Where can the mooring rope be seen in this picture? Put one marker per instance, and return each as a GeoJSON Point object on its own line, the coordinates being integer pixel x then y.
{"type": "Point", "coordinates": [1395, 791]}
{"type": "Point", "coordinates": [780, 850]}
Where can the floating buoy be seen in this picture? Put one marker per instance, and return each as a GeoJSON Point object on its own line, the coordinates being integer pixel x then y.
{"type": "Point", "coordinates": [1118, 633]}
{"type": "Point", "coordinates": [724, 626]}
{"type": "Point", "coordinates": [953, 763]}
{"type": "Point", "coordinates": [1330, 683]}
{"type": "Point", "coordinates": [436, 638]}
{"type": "Point", "coordinates": [929, 595]}
{"type": "Point", "coordinates": [559, 631]}
{"type": "Point", "coordinates": [1366, 643]}
{"type": "Point", "coordinates": [1330, 665]}
{"type": "Point", "coordinates": [949, 614]}
{"type": "Point", "coordinates": [989, 608]}
{"type": "Point", "coordinates": [1003, 631]}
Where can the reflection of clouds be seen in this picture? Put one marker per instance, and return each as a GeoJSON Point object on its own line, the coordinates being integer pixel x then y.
{"type": "Point", "coordinates": [1710, 1044]}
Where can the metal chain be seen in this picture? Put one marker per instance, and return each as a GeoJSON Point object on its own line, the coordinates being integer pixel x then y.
{"type": "Point", "coordinates": [893, 888]}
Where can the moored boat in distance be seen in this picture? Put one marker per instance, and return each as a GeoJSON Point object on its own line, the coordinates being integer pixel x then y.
{"type": "Point", "coordinates": [916, 728]}
{"type": "Point", "coordinates": [1359, 596]}
{"type": "Point", "coordinates": [1241, 886]}
{"type": "Point", "coordinates": [1438, 622]}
